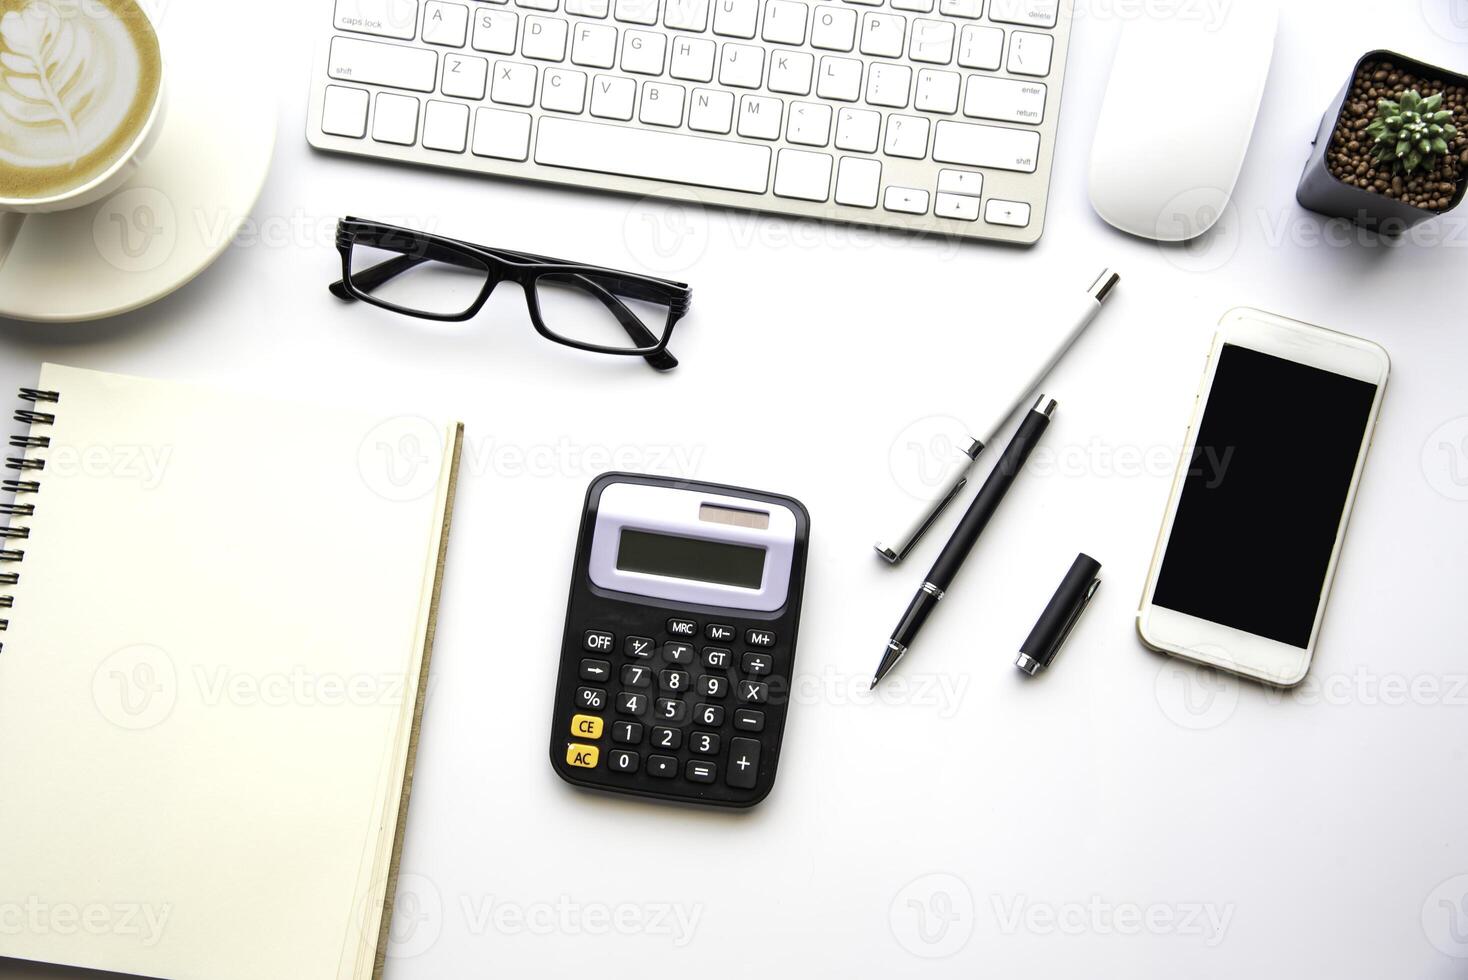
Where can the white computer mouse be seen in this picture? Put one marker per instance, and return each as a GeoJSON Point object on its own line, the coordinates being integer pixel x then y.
{"type": "Point", "coordinates": [1177, 117]}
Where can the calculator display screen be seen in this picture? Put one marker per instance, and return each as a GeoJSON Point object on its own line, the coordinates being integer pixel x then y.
{"type": "Point", "coordinates": [691, 558]}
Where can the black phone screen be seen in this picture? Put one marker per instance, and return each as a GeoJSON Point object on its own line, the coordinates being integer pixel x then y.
{"type": "Point", "coordinates": [1263, 496]}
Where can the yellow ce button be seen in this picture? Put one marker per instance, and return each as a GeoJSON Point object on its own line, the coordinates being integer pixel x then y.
{"type": "Point", "coordinates": [586, 726]}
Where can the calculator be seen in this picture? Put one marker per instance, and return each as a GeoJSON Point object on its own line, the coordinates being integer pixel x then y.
{"type": "Point", "coordinates": [680, 640]}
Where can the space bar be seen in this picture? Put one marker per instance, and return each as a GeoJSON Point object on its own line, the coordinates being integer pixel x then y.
{"type": "Point", "coordinates": [657, 156]}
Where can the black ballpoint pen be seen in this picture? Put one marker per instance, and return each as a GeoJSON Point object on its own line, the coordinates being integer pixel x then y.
{"type": "Point", "coordinates": [966, 535]}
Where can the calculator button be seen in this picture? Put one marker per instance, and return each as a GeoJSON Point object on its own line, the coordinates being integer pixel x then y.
{"type": "Point", "coordinates": [626, 732]}
{"type": "Point", "coordinates": [706, 714]}
{"type": "Point", "coordinates": [631, 704]}
{"type": "Point", "coordinates": [754, 692]}
{"type": "Point", "coordinates": [670, 710]}
{"type": "Point", "coordinates": [591, 698]}
{"type": "Point", "coordinates": [595, 670]}
{"type": "Point", "coordinates": [638, 646]}
{"type": "Point", "coordinates": [704, 743]}
{"type": "Point", "coordinates": [636, 675]}
{"type": "Point", "coordinates": [711, 686]}
{"type": "Point", "coordinates": [760, 638]}
{"type": "Point", "coordinates": [582, 756]}
{"type": "Point", "coordinates": [675, 681]}
{"type": "Point", "coordinates": [749, 720]}
{"type": "Point", "coordinates": [701, 772]}
{"type": "Point", "coordinates": [662, 766]}
{"type": "Point", "coordinates": [743, 763]}
{"type": "Point", "coordinates": [682, 627]}
{"type": "Point", "coordinates": [599, 642]}
{"type": "Point", "coordinates": [586, 726]}
{"type": "Point", "coordinates": [621, 760]}
{"type": "Point", "coordinates": [715, 658]}
{"type": "Point", "coordinates": [719, 633]}
{"type": "Point", "coordinates": [667, 738]}
{"type": "Point", "coordinates": [758, 664]}
{"type": "Point", "coordinates": [678, 653]}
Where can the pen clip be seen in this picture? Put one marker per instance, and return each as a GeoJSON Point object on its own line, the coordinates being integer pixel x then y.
{"type": "Point", "coordinates": [1075, 616]}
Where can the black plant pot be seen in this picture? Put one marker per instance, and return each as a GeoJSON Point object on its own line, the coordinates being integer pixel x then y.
{"type": "Point", "coordinates": [1321, 191]}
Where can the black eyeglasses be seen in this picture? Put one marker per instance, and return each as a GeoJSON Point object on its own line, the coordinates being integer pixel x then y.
{"type": "Point", "coordinates": [583, 306]}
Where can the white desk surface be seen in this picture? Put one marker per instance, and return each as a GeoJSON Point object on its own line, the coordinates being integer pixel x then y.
{"type": "Point", "coordinates": [1124, 815]}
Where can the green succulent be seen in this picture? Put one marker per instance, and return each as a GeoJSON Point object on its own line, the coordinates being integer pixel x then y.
{"type": "Point", "coordinates": [1412, 132]}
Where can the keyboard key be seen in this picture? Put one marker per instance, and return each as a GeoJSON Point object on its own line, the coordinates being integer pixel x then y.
{"type": "Point", "coordinates": [1029, 54]}
{"type": "Point", "coordinates": [856, 129]}
{"type": "Point", "coordinates": [1004, 99]}
{"type": "Point", "coordinates": [686, 15]}
{"type": "Point", "coordinates": [883, 35]}
{"type": "Point", "coordinates": [981, 47]}
{"type": "Point", "coordinates": [396, 119]}
{"type": "Point", "coordinates": [582, 756]}
{"type": "Point", "coordinates": [742, 65]}
{"type": "Point", "coordinates": [932, 41]}
{"type": "Point", "coordinates": [671, 710]}
{"type": "Point", "coordinates": [591, 698]}
{"type": "Point", "coordinates": [764, 639]}
{"type": "Point", "coordinates": [790, 72]}
{"type": "Point", "coordinates": [715, 658]}
{"type": "Point", "coordinates": [1030, 13]}
{"type": "Point", "coordinates": [537, 4]}
{"type": "Point", "coordinates": [678, 653]}
{"type": "Point", "coordinates": [662, 105]}
{"type": "Point", "coordinates": [1015, 214]}
{"type": "Point", "coordinates": [699, 771]}
{"type": "Point", "coordinates": [809, 125]}
{"type": "Point", "coordinates": [713, 686]}
{"type": "Point", "coordinates": [959, 207]}
{"type": "Point", "coordinates": [638, 646]}
{"type": "Point", "coordinates": [937, 91]}
{"type": "Point", "coordinates": [631, 703]}
{"type": "Point", "coordinates": [611, 98]}
{"type": "Point", "coordinates": [703, 743]}
{"type": "Point", "coordinates": [975, 145]}
{"type": "Point", "coordinates": [968, 9]}
{"type": "Point", "coordinates": [636, 11]}
{"type": "Point", "coordinates": [961, 182]}
{"type": "Point", "coordinates": [712, 111]}
{"type": "Point", "coordinates": [785, 22]}
{"type": "Point", "coordinates": [622, 760]}
{"type": "Point", "coordinates": [636, 675]}
{"type": "Point", "coordinates": [384, 18]}
{"type": "Point", "coordinates": [915, 6]}
{"type": "Point", "coordinates": [693, 59]}
{"type": "Point", "coordinates": [759, 117]}
{"type": "Point", "coordinates": [757, 664]}
{"type": "Point", "coordinates": [545, 38]}
{"type": "Point", "coordinates": [743, 763]}
{"type": "Point", "coordinates": [803, 175]}
{"type": "Point", "coordinates": [719, 633]}
{"type": "Point", "coordinates": [642, 54]}
{"type": "Point", "coordinates": [591, 670]}
{"type": "Point", "coordinates": [464, 76]}
{"type": "Point", "coordinates": [626, 732]}
{"type": "Point", "coordinates": [652, 154]}
{"type": "Point", "coordinates": [563, 90]}
{"type": "Point", "coordinates": [500, 133]}
{"type": "Point", "coordinates": [708, 715]}
{"type": "Point", "coordinates": [736, 18]}
{"type": "Point", "coordinates": [758, 692]}
{"type": "Point", "coordinates": [839, 79]}
{"type": "Point", "coordinates": [594, 45]}
{"type": "Point", "coordinates": [588, 8]}
{"type": "Point", "coordinates": [495, 31]}
{"type": "Point", "coordinates": [662, 766]}
{"type": "Point", "coordinates": [586, 726]}
{"type": "Point", "coordinates": [344, 113]}
{"type": "Point", "coordinates": [514, 83]}
{"type": "Point", "coordinates": [907, 136]}
{"type": "Point", "coordinates": [675, 681]}
{"type": "Point", "coordinates": [445, 23]}
{"type": "Point", "coordinates": [598, 641]}
{"type": "Point", "coordinates": [749, 720]}
{"type": "Point", "coordinates": [834, 28]}
{"type": "Point", "coordinates": [905, 200]}
{"type": "Point", "coordinates": [857, 182]}
{"type": "Point", "coordinates": [888, 85]}
{"type": "Point", "coordinates": [375, 63]}
{"type": "Point", "coordinates": [667, 738]}
{"type": "Point", "coordinates": [682, 628]}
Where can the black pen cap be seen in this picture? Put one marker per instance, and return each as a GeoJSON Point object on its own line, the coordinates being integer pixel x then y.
{"type": "Point", "coordinates": [1059, 617]}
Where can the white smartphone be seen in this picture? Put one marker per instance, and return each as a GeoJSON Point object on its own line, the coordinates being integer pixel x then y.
{"type": "Point", "coordinates": [1264, 488]}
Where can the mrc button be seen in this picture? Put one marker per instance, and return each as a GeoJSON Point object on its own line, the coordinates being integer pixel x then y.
{"type": "Point", "coordinates": [682, 627]}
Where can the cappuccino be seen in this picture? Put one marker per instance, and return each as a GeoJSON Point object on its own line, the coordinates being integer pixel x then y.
{"type": "Point", "coordinates": [79, 80]}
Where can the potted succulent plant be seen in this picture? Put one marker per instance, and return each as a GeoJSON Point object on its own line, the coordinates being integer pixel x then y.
{"type": "Point", "coordinates": [1392, 150]}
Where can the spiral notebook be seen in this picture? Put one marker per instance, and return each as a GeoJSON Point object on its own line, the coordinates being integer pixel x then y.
{"type": "Point", "coordinates": [220, 615]}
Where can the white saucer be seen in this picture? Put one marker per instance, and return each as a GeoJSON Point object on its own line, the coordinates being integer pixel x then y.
{"type": "Point", "coordinates": [165, 225]}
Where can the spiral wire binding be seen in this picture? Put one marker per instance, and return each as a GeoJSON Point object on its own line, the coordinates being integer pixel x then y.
{"type": "Point", "coordinates": [12, 532]}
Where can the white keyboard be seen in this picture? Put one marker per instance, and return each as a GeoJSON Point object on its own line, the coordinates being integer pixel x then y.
{"type": "Point", "coordinates": [931, 116]}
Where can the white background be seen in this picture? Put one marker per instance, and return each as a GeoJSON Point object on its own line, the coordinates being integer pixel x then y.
{"type": "Point", "coordinates": [1075, 824]}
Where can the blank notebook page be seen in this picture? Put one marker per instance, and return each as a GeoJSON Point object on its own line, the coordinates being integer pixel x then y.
{"type": "Point", "coordinates": [207, 684]}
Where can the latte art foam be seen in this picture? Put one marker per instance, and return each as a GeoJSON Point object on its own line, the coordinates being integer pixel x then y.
{"type": "Point", "coordinates": [78, 80]}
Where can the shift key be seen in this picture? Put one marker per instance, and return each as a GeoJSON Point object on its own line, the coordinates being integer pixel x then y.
{"type": "Point", "coordinates": [975, 145]}
{"type": "Point", "coordinates": [375, 63]}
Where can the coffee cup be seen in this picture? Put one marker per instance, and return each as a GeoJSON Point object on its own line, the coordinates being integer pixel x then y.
{"type": "Point", "coordinates": [81, 103]}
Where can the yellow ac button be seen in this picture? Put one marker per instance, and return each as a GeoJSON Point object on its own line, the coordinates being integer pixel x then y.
{"type": "Point", "coordinates": [582, 756]}
{"type": "Point", "coordinates": [586, 726]}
